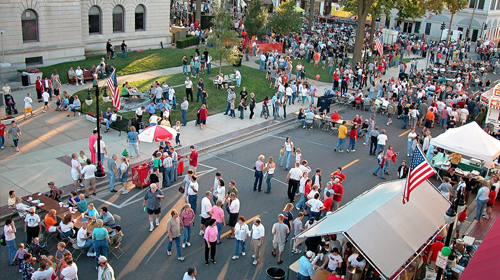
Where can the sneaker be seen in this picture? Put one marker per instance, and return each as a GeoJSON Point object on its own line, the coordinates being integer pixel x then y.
{"type": "Point", "coordinates": [235, 257]}
{"type": "Point", "coordinates": [298, 209]}
{"type": "Point", "coordinates": [407, 155]}
{"type": "Point", "coordinates": [183, 245]}
{"type": "Point", "coordinates": [255, 262]}
{"type": "Point", "coordinates": [242, 253]}
{"type": "Point", "coordinates": [353, 150]}
{"type": "Point", "coordinates": [17, 149]}
{"type": "Point", "coordinates": [253, 256]}
{"type": "Point", "coordinates": [365, 143]}
{"type": "Point", "coordinates": [387, 123]}
{"type": "Point", "coordinates": [157, 223]}
{"type": "Point", "coordinates": [169, 253]}
{"type": "Point", "coordinates": [91, 255]}
{"type": "Point", "coordinates": [125, 192]}
{"type": "Point", "coordinates": [20, 271]}
{"type": "Point", "coordinates": [43, 111]}
{"type": "Point", "coordinates": [347, 150]}
{"type": "Point", "coordinates": [151, 229]}
{"type": "Point", "coordinates": [188, 244]}
{"type": "Point", "coordinates": [486, 217]}
{"type": "Point", "coordinates": [180, 259]}
{"type": "Point", "coordinates": [334, 149]}
{"type": "Point", "coordinates": [201, 232]}
{"type": "Point", "coordinates": [298, 251]}
{"type": "Point", "coordinates": [341, 151]}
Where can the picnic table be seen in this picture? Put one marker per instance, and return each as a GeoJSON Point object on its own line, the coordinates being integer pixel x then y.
{"type": "Point", "coordinates": [46, 203]}
{"type": "Point", "coordinates": [77, 221]}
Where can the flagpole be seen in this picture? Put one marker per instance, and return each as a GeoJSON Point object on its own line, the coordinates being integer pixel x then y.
{"type": "Point", "coordinates": [430, 164]}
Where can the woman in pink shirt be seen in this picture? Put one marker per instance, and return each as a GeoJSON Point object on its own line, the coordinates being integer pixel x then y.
{"type": "Point", "coordinates": [187, 218]}
{"type": "Point", "coordinates": [210, 237]}
{"type": "Point", "coordinates": [218, 215]}
{"type": "Point", "coordinates": [92, 140]}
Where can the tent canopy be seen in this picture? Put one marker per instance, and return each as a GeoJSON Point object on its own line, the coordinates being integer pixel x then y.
{"type": "Point", "coordinates": [387, 231]}
{"type": "Point", "coordinates": [470, 140]}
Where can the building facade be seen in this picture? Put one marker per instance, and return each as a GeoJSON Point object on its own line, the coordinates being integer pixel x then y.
{"type": "Point", "coordinates": [44, 32]}
{"type": "Point", "coordinates": [483, 17]}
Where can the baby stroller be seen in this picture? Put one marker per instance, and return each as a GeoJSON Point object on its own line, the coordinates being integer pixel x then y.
{"type": "Point", "coordinates": [10, 104]}
{"type": "Point", "coordinates": [37, 250]}
{"type": "Point", "coordinates": [198, 121]}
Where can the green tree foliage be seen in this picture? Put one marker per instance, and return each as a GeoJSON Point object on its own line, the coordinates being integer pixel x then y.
{"type": "Point", "coordinates": [286, 20]}
{"type": "Point", "coordinates": [256, 19]}
{"type": "Point", "coordinates": [224, 37]}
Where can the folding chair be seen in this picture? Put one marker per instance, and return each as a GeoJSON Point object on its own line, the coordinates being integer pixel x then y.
{"type": "Point", "coordinates": [48, 235]}
{"type": "Point", "coordinates": [310, 124]}
{"type": "Point", "coordinates": [63, 238]}
{"type": "Point", "coordinates": [117, 218]}
{"type": "Point", "coordinates": [75, 246]}
{"type": "Point", "coordinates": [115, 249]}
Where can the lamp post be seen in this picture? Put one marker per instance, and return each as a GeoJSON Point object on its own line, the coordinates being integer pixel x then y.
{"type": "Point", "coordinates": [1, 42]}
{"type": "Point", "coordinates": [450, 217]}
{"type": "Point", "coordinates": [88, 100]}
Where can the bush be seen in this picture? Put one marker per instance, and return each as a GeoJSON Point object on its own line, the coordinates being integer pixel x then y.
{"type": "Point", "coordinates": [189, 41]}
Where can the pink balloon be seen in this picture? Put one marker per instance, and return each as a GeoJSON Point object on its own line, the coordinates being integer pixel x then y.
{"type": "Point", "coordinates": [317, 76]}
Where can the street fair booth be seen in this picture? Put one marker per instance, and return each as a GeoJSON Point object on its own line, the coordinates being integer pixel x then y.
{"type": "Point", "coordinates": [390, 235]}
{"type": "Point", "coordinates": [491, 99]}
{"type": "Point", "coordinates": [469, 140]}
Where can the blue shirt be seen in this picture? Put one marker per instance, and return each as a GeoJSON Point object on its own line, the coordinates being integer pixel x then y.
{"type": "Point", "coordinates": [107, 115]}
{"type": "Point", "coordinates": [151, 108]}
{"type": "Point", "coordinates": [99, 233]}
{"type": "Point", "coordinates": [305, 266]}
{"type": "Point", "coordinates": [132, 136]}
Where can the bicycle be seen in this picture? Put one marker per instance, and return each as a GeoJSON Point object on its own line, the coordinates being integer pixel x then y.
{"type": "Point", "coordinates": [265, 111]}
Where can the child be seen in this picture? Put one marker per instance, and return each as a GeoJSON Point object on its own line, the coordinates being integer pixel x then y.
{"type": "Point", "coordinates": [298, 155]}
{"type": "Point", "coordinates": [232, 115]}
{"type": "Point", "coordinates": [20, 255]}
{"type": "Point", "coordinates": [297, 228]}
{"type": "Point", "coordinates": [45, 97]}
{"type": "Point", "coordinates": [177, 128]}
{"type": "Point", "coordinates": [492, 196]}
{"type": "Point", "coordinates": [61, 249]}
{"type": "Point", "coordinates": [36, 248]}
{"type": "Point", "coordinates": [54, 264]}
{"type": "Point", "coordinates": [282, 155]}
{"type": "Point", "coordinates": [26, 265]}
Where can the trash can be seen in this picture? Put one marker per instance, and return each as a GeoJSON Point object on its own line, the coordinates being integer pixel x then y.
{"type": "Point", "coordinates": [140, 175]}
{"type": "Point", "coordinates": [25, 80]}
{"type": "Point", "coordinates": [180, 167]}
{"type": "Point", "coordinates": [275, 272]}
{"type": "Point", "coordinates": [353, 273]}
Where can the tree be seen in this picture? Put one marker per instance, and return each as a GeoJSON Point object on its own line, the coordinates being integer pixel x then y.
{"type": "Point", "coordinates": [454, 6]}
{"type": "Point", "coordinates": [286, 19]}
{"type": "Point", "coordinates": [311, 15]}
{"type": "Point", "coordinates": [223, 38]}
{"type": "Point", "coordinates": [256, 19]}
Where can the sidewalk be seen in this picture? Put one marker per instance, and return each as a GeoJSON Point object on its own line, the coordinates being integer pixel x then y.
{"type": "Point", "coordinates": [49, 139]}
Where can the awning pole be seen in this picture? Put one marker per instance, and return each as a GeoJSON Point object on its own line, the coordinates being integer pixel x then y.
{"type": "Point", "coordinates": [364, 255]}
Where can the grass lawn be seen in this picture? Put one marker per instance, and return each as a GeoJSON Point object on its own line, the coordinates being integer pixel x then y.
{"type": "Point", "coordinates": [135, 62]}
{"type": "Point", "coordinates": [252, 78]}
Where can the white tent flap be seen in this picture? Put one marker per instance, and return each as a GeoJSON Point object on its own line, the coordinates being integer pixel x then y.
{"type": "Point", "coordinates": [470, 140]}
{"type": "Point", "coordinates": [387, 231]}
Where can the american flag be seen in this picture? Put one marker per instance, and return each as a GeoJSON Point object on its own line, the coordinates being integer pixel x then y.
{"type": "Point", "coordinates": [420, 170]}
{"type": "Point", "coordinates": [113, 88]}
{"type": "Point", "coordinates": [379, 44]}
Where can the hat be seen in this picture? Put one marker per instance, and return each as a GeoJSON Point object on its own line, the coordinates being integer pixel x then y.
{"type": "Point", "coordinates": [118, 228]}
{"type": "Point", "coordinates": [439, 237]}
{"type": "Point", "coordinates": [102, 259]}
{"type": "Point", "coordinates": [51, 183]}
{"type": "Point", "coordinates": [309, 254]}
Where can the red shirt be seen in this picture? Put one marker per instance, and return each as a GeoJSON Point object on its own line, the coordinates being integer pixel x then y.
{"type": "Point", "coordinates": [492, 196]}
{"type": "Point", "coordinates": [285, 79]}
{"type": "Point", "coordinates": [460, 104]}
{"type": "Point", "coordinates": [435, 248]}
{"type": "Point", "coordinates": [462, 216]}
{"type": "Point", "coordinates": [353, 135]}
{"type": "Point", "coordinates": [203, 114]}
{"type": "Point", "coordinates": [2, 129]}
{"type": "Point", "coordinates": [333, 277]}
{"type": "Point", "coordinates": [337, 188]}
{"type": "Point", "coordinates": [338, 175]}
{"type": "Point", "coordinates": [357, 121]}
{"type": "Point", "coordinates": [335, 117]}
{"type": "Point", "coordinates": [327, 204]}
{"type": "Point", "coordinates": [193, 158]}
{"type": "Point", "coordinates": [307, 189]}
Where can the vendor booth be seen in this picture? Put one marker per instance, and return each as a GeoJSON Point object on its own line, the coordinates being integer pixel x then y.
{"type": "Point", "coordinates": [388, 233]}
{"type": "Point", "coordinates": [491, 99]}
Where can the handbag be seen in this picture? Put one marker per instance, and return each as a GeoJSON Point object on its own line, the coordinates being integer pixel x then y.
{"type": "Point", "coordinates": [2, 240]}
{"type": "Point", "coordinates": [182, 189]}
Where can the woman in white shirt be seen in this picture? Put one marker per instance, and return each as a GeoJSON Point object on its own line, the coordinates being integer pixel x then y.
{"type": "Point", "coordinates": [76, 168]}
{"type": "Point", "coordinates": [70, 272]}
{"type": "Point", "coordinates": [66, 226]}
{"type": "Point", "coordinates": [9, 229]}
{"type": "Point", "coordinates": [288, 151]}
{"type": "Point", "coordinates": [269, 168]}
{"type": "Point", "coordinates": [123, 172]}
{"type": "Point", "coordinates": [411, 136]}
{"type": "Point", "coordinates": [241, 232]}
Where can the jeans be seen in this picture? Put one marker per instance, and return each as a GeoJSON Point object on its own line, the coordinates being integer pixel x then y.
{"type": "Point", "coordinates": [315, 215]}
{"type": "Point", "coordinates": [480, 207]}
{"type": "Point", "coordinates": [185, 69]}
{"type": "Point", "coordinates": [209, 68]}
{"type": "Point", "coordinates": [177, 245]}
{"type": "Point", "coordinates": [168, 176]}
{"type": "Point", "coordinates": [380, 147]}
{"type": "Point", "coordinates": [101, 249]}
{"type": "Point", "coordinates": [186, 234]}
{"type": "Point", "coordinates": [443, 121]}
{"type": "Point", "coordinates": [124, 53]}
{"type": "Point", "coordinates": [302, 202]}
{"type": "Point", "coordinates": [219, 228]}
{"type": "Point", "coordinates": [381, 171]}
{"type": "Point", "coordinates": [302, 277]}
{"type": "Point", "coordinates": [288, 155]}
{"type": "Point", "coordinates": [237, 246]}
{"type": "Point", "coordinates": [174, 171]}
{"type": "Point", "coordinates": [276, 112]}
{"type": "Point", "coordinates": [112, 180]}
{"type": "Point", "coordinates": [199, 95]}
{"type": "Point", "coordinates": [192, 200]}
{"type": "Point", "coordinates": [352, 142]}
{"type": "Point", "coordinates": [16, 141]}
{"type": "Point", "coordinates": [386, 166]}
{"type": "Point", "coordinates": [12, 249]}
{"type": "Point", "coordinates": [228, 107]}
{"type": "Point", "coordinates": [102, 157]}
{"type": "Point", "coordinates": [340, 144]}
{"type": "Point", "coordinates": [297, 75]}
{"type": "Point", "coordinates": [2, 141]}
{"type": "Point", "coordinates": [408, 148]}
{"type": "Point", "coordinates": [133, 147]}
{"type": "Point", "coordinates": [262, 65]}
{"type": "Point", "coordinates": [184, 117]}
{"type": "Point", "coordinates": [268, 181]}
{"type": "Point", "coordinates": [405, 122]}
{"type": "Point", "coordinates": [89, 243]}
{"type": "Point", "coordinates": [258, 179]}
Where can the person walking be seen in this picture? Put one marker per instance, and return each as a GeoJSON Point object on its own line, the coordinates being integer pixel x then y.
{"type": "Point", "coordinates": [289, 148]}
{"type": "Point", "coordinates": [482, 199]}
{"type": "Point", "coordinates": [187, 217]}
{"type": "Point", "coordinates": [88, 173]}
{"type": "Point", "coordinates": [257, 233]}
{"type": "Point", "coordinates": [15, 132]}
{"type": "Point", "coordinates": [381, 162]}
{"type": "Point", "coordinates": [133, 142]}
{"type": "Point", "coordinates": [292, 179]}
{"type": "Point", "coordinates": [280, 231]}
{"type": "Point", "coordinates": [112, 172]}
{"type": "Point", "coordinates": [104, 270]}
{"type": "Point", "coordinates": [152, 204]}
{"type": "Point", "coordinates": [270, 167]}
{"type": "Point", "coordinates": [234, 212]}
{"type": "Point", "coordinates": [210, 238]}
{"type": "Point", "coordinates": [9, 229]}
{"type": "Point", "coordinates": [353, 136]}
{"type": "Point", "coordinates": [259, 167]}
{"type": "Point", "coordinates": [193, 160]}
{"type": "Point", "coordinates": [342, 135]}
{"type": "Point", "coordinates": [192, 192]}
{"type": "Point", "coordinates": [241, 232]}
{"type": "Point", "coordinates": [381, 141]}
{"type": "Point", "coordinates": [174, 227]}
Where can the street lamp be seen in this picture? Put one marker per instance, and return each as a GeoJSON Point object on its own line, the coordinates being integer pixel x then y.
{"type": "Point", "coordinates": [1, 40]}
{"type": "Point", "coordinates": [88, 100]}
{"type": "Point", "coordinates": [450, 217]}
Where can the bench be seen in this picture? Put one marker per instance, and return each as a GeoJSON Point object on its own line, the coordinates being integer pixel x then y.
{"type": "Point", "coordinates": [87, 76]}
{"type": "Point", "coordinates": [77, 109]}
{"type": "Point", "coordinates": [120, 125]}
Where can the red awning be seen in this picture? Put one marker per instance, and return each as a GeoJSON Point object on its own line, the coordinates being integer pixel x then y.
{"type": "Point", "coordinates": [484, 263]}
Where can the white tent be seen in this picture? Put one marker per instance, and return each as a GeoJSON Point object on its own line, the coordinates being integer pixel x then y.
{"type": "Point", "coordinates": [387, 232]}
{"type": "Point", "coordinates": [470, 140]}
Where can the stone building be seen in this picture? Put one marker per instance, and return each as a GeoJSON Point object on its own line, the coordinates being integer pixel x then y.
{"type": "Point", "coordinates": [44, 32]}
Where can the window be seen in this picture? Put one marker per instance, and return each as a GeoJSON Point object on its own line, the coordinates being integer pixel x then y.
{"type": "Point", "coordinates": [492, 5]}
{"type": "Point", "coordinates": [417, 27]}
{"type": "Point", "coordinates": [139, 17]}
{"type": "Point", "coordinates": [473, 3]}
{"type": "Point", "coordinates": [118, 19]}
{"type": "Point", "coordinates": [94, 20]}
{"type": "Point", "coordinates": [29, 22]}
{"type": "Point", "coordinates": [498, 5]}
{"type": "Point", "coordinates": [428, 28]}
{"type": "Point", "coordinates": [30, 61]}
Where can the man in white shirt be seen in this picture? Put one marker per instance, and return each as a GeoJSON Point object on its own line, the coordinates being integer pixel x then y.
{"type": "Point", "coordinates": [257, 234]}
{"type": "Point", "coordinates": [316, 206]}
{"type": "Point", "coordinates": [89, 175]}
{"type": "Point", "coordinates": [262, 66]}
{"type": "Point", "coordinates": [84, 239]}
{"type": "Point", "coordinates": [206, 211]}
{"type": "Point", "coordinates": [192, 192]}
{"type": "Point", "coordinates": [79, 75]}
{"type": "Point", "coordinates": [190, 274]}
{"type": "Point", "coordinates": [234, 212]}
{"type": "Point", "coordinates": [189, 88]}
{"type": "Point", "coordinates": [292, 179]}
{"type": "Point", "coordinates": [381, 141]}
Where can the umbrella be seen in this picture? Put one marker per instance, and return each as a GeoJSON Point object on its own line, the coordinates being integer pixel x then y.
{"type": "Point", "coordinates": [157, 133]}
{"type": "Point", "coordinates": [298, 9]}
{"type": "Point", "coordinates": [489, 43]}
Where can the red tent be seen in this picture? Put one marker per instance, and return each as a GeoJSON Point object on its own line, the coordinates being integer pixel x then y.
{"type": "Point", "coordinates": [484, 263]}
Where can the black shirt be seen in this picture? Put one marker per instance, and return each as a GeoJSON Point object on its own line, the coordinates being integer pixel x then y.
{"type": "Point", "coordinates": [124, 46]}
{"type": "Point", "coordinates": [153, 178]}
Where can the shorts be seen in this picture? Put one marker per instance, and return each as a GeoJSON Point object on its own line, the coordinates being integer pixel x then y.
{"type": "Point", "coordinates": [156, 211]}
{"type": "Point", "coordinates": [428, 123]}
{"type": "Point", "coordinates": [489, 204]}
{"type": "Point", "coordinates": [389, 115]}
{"type": "Point", "coordinates": [46, 102]}
{"type": "Point", "coordinates": [27, 110]}
{"type": "Point", "coordinates": [204, 221]}
{"type": "Point", "coordinates": [280, 246]}
{"type": "Point", "coordinates": [273, 79]}
{"type": "Point", "coordinates": [233, 219]}
{"type": "Point", "coordinates": [75, 175]}
{"type": "Point", "coordinates": [459, 226]}
{"type": "Point", "coordinates": [203, 122]}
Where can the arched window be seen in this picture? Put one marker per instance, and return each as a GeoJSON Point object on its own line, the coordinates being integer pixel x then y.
{"type": "Point", "coordinates": [140, 18]}
{"type": "Point", "coordinates": [118, 21]}
{"type": "Point", "coordinates": [94, 20]}
{"type": "Point", "coordinates": [29, 22]}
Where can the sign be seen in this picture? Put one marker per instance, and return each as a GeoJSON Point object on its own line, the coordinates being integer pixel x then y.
{"type": "Point", "coordinates": [441, 260]}
{"type": "Point", "coordinates": [496, 91]}
{"type": "Point", "coordinates": [495, 103]}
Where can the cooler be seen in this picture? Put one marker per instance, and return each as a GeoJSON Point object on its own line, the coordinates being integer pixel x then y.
{"type": "Point", "coordinates": [180, 167]}
{"type": "Point", "coordinates": [140, 175]}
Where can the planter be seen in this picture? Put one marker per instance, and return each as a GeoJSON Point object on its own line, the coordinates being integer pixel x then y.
{"type": "Point", "coordinates": [8, 121]}
{"type": "Point", "coordinates": [32, 77]}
